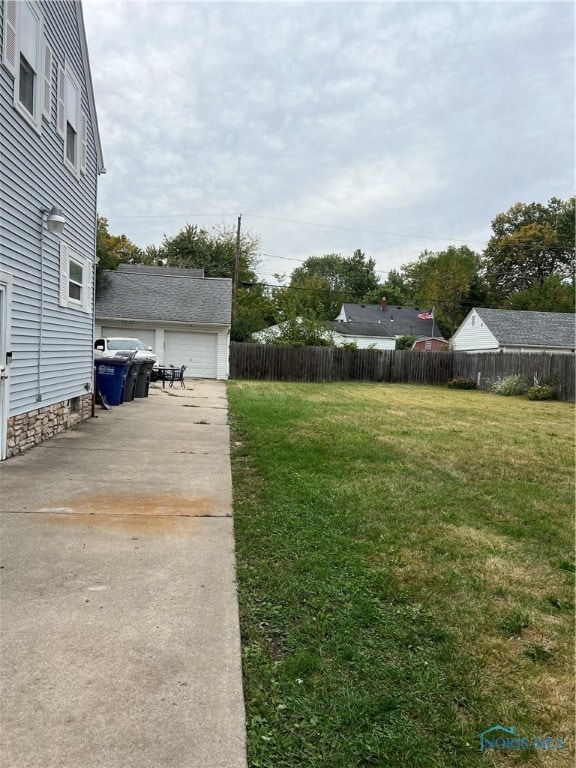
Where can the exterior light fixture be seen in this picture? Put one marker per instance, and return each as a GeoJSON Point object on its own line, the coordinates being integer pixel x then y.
{"type": "Point", "coordinates": [55, 220]}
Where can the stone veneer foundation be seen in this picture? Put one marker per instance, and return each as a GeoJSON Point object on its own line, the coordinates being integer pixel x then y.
{"type": "Point", "coordinates": [29, 429]}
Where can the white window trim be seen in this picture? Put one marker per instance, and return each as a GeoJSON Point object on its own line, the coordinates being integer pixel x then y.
{"type": "Point", "coordinates": [12, 29]}
{"type": "Point", "coordinates": [67, 254]}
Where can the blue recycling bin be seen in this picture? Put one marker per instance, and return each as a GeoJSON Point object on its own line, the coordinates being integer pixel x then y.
{"type": "Point", "coordinates": [111, 375]}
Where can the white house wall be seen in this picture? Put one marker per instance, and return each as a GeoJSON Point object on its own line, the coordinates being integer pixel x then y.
{"type": "Point", "coordinates": [130, 328]}
{"type": "Point", "coordinates": [366, 342]}
{"type": "Point", "coordinates": [33, 176]}
{"type": "Point", "coordinates": [473, 335]}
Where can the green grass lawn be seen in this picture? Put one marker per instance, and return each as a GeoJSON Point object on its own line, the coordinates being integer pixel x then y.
{"type": "Point", "coordinates": [405, 567]}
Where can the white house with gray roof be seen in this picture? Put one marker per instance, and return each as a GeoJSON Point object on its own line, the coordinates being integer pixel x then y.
{"type": "Point", "coordinates": [369, 326]}
{"type": "Point", "coordinates": [507, 330]}
{"type": "Point", "coordinates": [49, 165]}
{"type": "Point", "coordinates": [183, 316]}
{"type": "Point", "coordinates": [379, 325]}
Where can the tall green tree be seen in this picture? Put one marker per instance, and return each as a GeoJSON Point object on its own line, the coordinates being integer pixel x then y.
{"type": "Point", "coordinates": [326, 282]}
{"type": "Point", "coordinates": [112, 250]}
{"type": "Point", "coordinates": [552, 295]}
{"type": "Point", "coordinates": [530, 243]}
{"type": "Point", "coordinates": [212, 250]}
{"type": "Point", "coordinates": [255, 310]}
{"type": "Point", "coordinates": [445, 280]}
{"type": "Point", "coordinates": [395, 289]}
{"type": "Point", "coordinates": [306, 295]}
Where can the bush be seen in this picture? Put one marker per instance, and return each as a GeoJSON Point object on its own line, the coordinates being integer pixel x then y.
{"type": "Point", "coordinates": [543, 392]}
{"type": "Point", "coordinates": [461, 382]}
{"type": "Point", "coordinates": [510, 385]}
{"type": "Point", "coordinates": [405, 342]}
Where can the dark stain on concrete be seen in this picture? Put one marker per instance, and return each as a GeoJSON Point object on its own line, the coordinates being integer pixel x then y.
{"type": "Point", "coordinates": [143, 525]}
{"type": "Point", "coordinates": [136, 504]}
{"type": "Point", "coordinates": [150, 514]}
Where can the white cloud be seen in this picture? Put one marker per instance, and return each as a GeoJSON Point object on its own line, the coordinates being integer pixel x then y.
{"type": "Point", "coordinates": [417, 118]}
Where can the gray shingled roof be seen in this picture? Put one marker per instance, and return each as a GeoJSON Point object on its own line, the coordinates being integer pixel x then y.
{"type": "Point", "coordinates": [533, 329]}
{"type": "Point", "coordinates": [360, 329]}
{"type": "Point", "coordinates": [397, 321]}
{"type": "Point", "coordinates": [142, 268]}
{"type": "Point", "coordinates": [165, 297]}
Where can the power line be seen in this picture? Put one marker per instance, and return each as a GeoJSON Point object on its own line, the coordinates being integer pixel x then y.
{"type": "Point", "coordinates": [359, 229]}
{"type": "Point", "coordinates": [293, 221]}
{"type": "Point", "coordinates": [165, 216]}
{"type": "Point", "coordinates": [328, 226]}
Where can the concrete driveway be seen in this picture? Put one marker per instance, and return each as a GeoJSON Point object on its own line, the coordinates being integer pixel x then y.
{"type": "Point", "coordinates": [120, 644]}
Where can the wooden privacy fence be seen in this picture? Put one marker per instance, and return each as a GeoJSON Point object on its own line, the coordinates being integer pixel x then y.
{"type": "Point", "coordinates": [536, 368]}
{"type": "Point", "coordinates": [322, 364]}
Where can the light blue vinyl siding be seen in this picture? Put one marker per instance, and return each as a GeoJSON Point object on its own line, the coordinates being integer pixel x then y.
{"type": "Point", "coordinates": [33, 176]}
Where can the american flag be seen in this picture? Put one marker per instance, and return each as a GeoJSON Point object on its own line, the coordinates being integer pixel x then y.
{"type": "Point", "coordinates": [427, 315]}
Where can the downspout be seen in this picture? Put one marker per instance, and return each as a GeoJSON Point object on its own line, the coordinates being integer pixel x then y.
{"type": "Point", "coordinates": [41, 329]}
{"type": "Point", "coordinates": [94, 270]}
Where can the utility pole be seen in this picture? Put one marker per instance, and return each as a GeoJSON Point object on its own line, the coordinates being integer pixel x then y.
{"type": "Point", "coordinates": [236, 269]}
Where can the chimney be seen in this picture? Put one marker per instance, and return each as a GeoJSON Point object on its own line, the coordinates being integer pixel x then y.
{"type": "Point", "coordinates": [383, 304]}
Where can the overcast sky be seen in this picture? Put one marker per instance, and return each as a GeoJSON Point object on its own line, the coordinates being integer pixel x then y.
{"type": "Point", "coordinates": [330, 126]}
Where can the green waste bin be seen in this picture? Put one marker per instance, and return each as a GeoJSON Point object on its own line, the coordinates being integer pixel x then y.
{"type": "Point", "coordinates": [143, 379]}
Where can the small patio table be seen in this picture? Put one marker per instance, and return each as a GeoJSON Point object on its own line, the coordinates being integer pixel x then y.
{"type": "Point", "coordinates": [170, 374]}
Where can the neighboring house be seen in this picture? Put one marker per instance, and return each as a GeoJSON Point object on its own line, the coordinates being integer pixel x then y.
{"type": "Point", "coordinates": [379, 325]}
{"type": "Point", "coordinates": [182, 315]}
{"type": "Point", "coordinates": [363, 335]}
{"type": "Point", "coordinates": [507, 330]}
{"type": "Point", "coordinates": [370, 326]}
{"type": "Point", "coordinates": [430, 344]}
{"type": "Point", "coordinates": [50, 157]}
{"type": "Point", "coordinates": [339, 334]}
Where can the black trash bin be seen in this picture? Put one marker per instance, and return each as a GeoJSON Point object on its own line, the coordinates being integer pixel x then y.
{"type": "Point", "coordinates": [130, 386]}
{"type": "Point", "coordinates": [143, 379]}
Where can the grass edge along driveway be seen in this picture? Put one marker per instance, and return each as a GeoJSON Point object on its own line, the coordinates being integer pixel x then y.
{"type": "Point", "coordinates": [405, 568]}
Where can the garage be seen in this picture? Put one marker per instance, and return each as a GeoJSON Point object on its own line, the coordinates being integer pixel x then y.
{"type": "Point", "coordinates": [182, 316]}
{"type": "Point", "coordinates": [197, 351]}
{"type": "Point", "coordinates": [146, 335]}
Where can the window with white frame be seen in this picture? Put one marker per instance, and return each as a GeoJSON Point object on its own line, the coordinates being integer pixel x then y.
{"type": "Point", "coordinates": [75, 280]}
{"type": "Point", "coordinates": [70, 121]}
{"type": "Point", "coordinates": [28, 58]}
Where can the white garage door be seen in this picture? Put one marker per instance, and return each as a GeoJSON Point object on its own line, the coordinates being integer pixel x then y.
{"type": "Point", "coordinates": [146, 335]}
{"type": "Point", "coordinates": [197, 351]}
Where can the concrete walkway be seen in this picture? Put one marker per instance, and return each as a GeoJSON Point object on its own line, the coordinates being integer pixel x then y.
{"type": "Point", "coordinates": [120, 644]}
